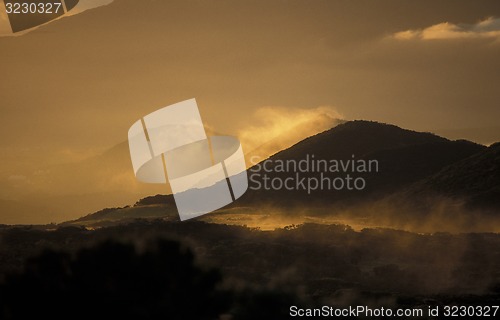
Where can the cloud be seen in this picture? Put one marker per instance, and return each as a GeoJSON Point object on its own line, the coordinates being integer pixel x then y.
{"type": "Point", "coordinates": [485, 29]}
{"type": "Point", "coordinates": [273, 129]}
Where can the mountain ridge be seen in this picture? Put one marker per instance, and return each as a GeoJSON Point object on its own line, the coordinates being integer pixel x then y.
{"type": "Point", "coordinates": [407, 158]}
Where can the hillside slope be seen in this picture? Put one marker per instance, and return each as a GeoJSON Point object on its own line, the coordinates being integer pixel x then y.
{"type": "Point", "coordinates": [406, 159]}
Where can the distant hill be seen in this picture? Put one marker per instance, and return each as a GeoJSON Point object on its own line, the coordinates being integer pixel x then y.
{"type": "Point", "coordinates": [412, 161]}
{"type": "Point", "coordinates": [404, 157]}
{"type": "Point", "coordinates": [107, 179]}
{"type": "Point", "coordinates": [152, 207]}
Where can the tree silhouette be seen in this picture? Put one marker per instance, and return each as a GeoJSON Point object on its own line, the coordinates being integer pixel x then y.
{"type": "Point", "coordinates": [114, 280]}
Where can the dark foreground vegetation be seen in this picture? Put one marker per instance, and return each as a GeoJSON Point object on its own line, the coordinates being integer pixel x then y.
{"type": "Point", "coordinates": [196, 270]}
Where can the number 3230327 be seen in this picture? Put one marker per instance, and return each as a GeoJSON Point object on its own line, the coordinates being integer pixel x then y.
{"type": "Point", "coordinates": [25, 7]}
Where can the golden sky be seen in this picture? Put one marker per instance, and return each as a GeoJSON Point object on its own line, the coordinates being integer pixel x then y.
{"type": "Point", "coordinates": [70, 90]}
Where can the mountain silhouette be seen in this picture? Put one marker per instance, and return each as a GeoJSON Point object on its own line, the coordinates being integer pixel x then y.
{"type": "Point", "coordinates": [418, 163]}
{"type": "Point", "coordinates": [403, 157]}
